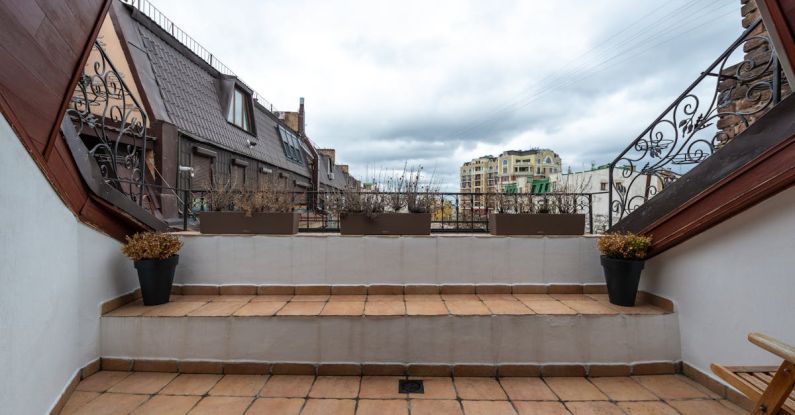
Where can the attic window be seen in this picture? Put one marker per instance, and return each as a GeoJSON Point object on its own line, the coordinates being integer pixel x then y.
{"type": "Point", "coordinates": [240, 110]}
{"type": "Point", "coordinates": [292, 148]}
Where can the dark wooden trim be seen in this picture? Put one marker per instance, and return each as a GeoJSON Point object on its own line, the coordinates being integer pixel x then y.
{"type": "Point", "coordinates": [767, 176]}
{"type": "Point", "coordinates": [239, 162]}
{"type": "Point", "coordinates": [756, 165]}
{"type": "Point", "coordinates": [205, 152]}
{"type": "Point", "coordinates": [131, 63]}
{"type": "Point", "coordinates": [77, 71]}
{"type": "Point", "coordinates": [778, 25]}
{"type": "Point", "coordinates": [38, 126]}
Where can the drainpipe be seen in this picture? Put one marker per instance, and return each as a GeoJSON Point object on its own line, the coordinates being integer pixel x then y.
{"type": "Point", "coordinates": [315, 179]}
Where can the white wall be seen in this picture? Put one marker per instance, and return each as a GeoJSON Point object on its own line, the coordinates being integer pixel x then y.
{"type": "Point", "coordinates": [435, 259]}
{"type": "Point", "coordinates": [397, 339]}
{"type": "Point", "coordinates": [54, 274]}
{"type": "Point", "coordinates": [736, 278]}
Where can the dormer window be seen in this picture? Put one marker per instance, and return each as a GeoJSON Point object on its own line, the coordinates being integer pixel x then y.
{"type": "Point", "coordinates": [292, 148]}
{"type": "Point", "coordinates": [239, 112]}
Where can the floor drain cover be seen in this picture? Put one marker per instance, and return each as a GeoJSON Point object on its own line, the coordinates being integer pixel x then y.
{"type": "Point", "coordinates": [410, 386]}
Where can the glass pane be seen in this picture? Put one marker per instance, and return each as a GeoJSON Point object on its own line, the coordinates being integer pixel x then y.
{"type": "Point", "coordinates": [230, 115]}
{"type": "Point", "coordinates": [238, 108]}
{"type": "Point", "coordinates": [245, 117]}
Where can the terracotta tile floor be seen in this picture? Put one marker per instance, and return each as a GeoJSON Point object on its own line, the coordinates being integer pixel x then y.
{"type": "Point", "coordinates": [381, 305]}
{"type": "Point", "coordinates": [157, 393]}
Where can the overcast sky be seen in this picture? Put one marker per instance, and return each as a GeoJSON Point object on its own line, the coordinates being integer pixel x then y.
{"type": "Point", "coordinates": [437, 83]}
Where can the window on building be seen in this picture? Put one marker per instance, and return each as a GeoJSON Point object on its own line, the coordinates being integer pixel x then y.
{"type": "Point", "coordinates": [292, 148]}
{"type": "Point", "coordinates": [505, 162]}
{"type": "Point", "coordinates": [603, 186]}
{"type": "Point", "coordinates": [548, 160]}
{"type": "Point", "coordinates": [202, 173]}
{"type": "Point", "coordinates": [238, 177]}
{"type": "Point", "coordinates": [240, 110]}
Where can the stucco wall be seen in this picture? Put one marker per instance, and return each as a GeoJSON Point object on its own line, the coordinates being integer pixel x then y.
{"type": "Point", "coordinates": [54, 273]}
{"type": "Point", "coordinates": [736, 278]}
{"type": "Point", "coordinates": [435, 259]}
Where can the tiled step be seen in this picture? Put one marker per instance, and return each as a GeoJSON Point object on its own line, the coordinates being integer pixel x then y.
{"type": "Point", "coordinates": [490, 329]}
{"type": "Point", "coordinates": [159, 393]}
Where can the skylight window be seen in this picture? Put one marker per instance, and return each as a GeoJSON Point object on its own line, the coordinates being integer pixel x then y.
{"type": "Point", "coordinates": [240, 110]}
{"type": "Point", "coordinates": [292, 148]}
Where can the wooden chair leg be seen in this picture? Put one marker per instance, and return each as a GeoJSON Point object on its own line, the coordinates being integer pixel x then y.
{"type": "Point", "coordinates": [777, 391]}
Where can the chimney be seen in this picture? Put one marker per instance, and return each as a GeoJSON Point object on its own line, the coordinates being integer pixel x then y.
{"type": "Point", "coordinates": [301, 119]}
{"type": "Point", "coordinates": [344, 168]}
{"type": "Point", "coordinates": [328, 152]}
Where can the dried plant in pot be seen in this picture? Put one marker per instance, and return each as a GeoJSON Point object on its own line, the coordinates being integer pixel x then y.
{"type": "Point", "coordinates": [623, 258]}
{"type": "Point", "coordinates": [268, 210]}
{"type": "Point", "coordinates": [529, 214]}
{"type": "Point", "coordinates": [155, 258]}
{"type": "Point", "coordinates": [395, 208]}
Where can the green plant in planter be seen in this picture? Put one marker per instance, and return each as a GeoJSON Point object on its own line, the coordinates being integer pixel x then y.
{"type": "Point", "coordinates": [622, 259]}
{"type": "Point", "coordinates": [155, 258]}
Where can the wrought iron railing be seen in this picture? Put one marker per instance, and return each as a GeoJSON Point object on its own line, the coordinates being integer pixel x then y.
{"type": "Point", "coordinates": [112, 124]}
{"type": "Point", "coordinates": [450, 212]}
{"type": "Point", "coordinates": [724, 100]}
{"type": "Point", "coordinates": [150, 11]}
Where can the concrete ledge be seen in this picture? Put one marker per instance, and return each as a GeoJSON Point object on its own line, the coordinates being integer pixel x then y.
{"type": "Point", "coordinates": [381, 369]}
{"type": "Point", "coordinates": [436, 259]}
{"type": "Point", "coordinates": [489, 340]}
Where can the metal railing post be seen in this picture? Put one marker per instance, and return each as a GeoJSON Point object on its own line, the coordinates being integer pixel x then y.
{"type": "Point", "coordinates": [185, 209]}
{"type": "Point", "coordinates": [472, 211]}
{"type": "Point", "coordinates": [590, 213]}
{"type": "Point", "coordinates": [610, 197]}
{"type": "Point", "coordinates": [776, 79]}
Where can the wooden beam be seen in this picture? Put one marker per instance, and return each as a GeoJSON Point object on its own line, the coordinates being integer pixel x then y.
{"type": "Point", "coordinates": [77, 72]}
{"type": "Point", "coordinates": [779, 22]}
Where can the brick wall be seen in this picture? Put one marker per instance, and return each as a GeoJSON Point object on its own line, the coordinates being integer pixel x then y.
{"type": "Point", "coordinates": [739, 100]}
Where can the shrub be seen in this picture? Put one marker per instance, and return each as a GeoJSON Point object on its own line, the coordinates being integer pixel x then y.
{"type": "Point", "coordinates": [274, 196]}
{"type": "Point", "coordinates": [624, 245]}
{"type": "Point", "coordinates": [151, 245]}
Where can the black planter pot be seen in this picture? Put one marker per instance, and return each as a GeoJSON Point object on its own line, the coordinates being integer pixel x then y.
{"type": "Point", "coordinates": [622, 277]}
{"type": "Point", "coordinates": [156, 277]}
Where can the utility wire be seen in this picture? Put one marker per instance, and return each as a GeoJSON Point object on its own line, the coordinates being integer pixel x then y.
{"type": "Point", "coordinates": [552, 81]}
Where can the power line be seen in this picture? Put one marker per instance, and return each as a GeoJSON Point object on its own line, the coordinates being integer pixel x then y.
{"type": "Point", "coordinates": [642, 42]}
{"type": "Point", "coordinates": [552, 81]}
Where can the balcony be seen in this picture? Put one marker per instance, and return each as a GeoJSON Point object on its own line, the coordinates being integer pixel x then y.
{"type": "Point", "coordinates": [458, 321]}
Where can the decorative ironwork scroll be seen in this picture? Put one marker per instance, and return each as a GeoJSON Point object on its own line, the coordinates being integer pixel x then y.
{"type": "Point", "coordinates": [112, 124]}
{"type": "Point", "coordinates": [724, 100]}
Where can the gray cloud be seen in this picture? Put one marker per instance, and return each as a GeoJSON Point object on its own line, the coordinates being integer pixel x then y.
{"type": "Point", "coordinates": [437, 83]}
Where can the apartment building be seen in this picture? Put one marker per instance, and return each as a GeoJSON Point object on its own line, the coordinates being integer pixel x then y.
{"type": "Point", "coordinates": [513, 171]}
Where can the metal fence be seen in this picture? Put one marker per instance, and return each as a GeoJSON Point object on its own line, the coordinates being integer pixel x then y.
{"type": "Point", "coordinates": [741, 85]}
{"type": "Point", "coordinates": [450, 212]}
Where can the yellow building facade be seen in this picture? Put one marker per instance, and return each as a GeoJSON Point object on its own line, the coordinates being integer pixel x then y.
{"type": "Point", "coordinates": [511, 171]}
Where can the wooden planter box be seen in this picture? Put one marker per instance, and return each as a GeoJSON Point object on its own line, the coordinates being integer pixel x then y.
{"type": "Point", "coordinates": [386, 224]}
{"type": "Point", "coordinates": [536, 224]}
{"type": "Point", "coordinates": [257, 223]}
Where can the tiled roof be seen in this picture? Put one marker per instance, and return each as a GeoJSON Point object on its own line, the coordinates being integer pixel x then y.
{"type": "Point", "coordinates": [340, 180]}
{"type": "Point", "coordinates": [191, 96]}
